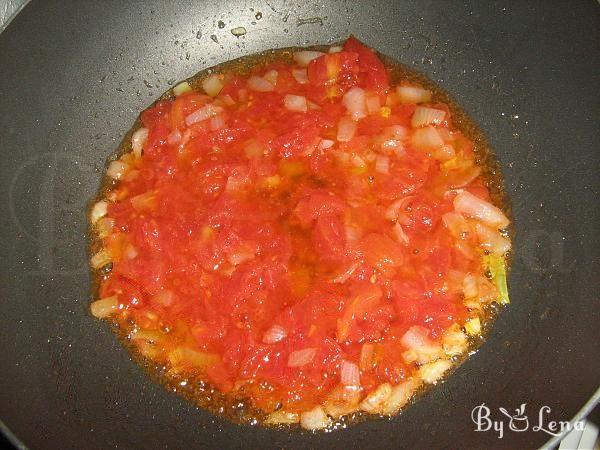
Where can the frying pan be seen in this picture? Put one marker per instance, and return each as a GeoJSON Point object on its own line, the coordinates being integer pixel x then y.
{"type": "Point", "coordinates": [75, 74]}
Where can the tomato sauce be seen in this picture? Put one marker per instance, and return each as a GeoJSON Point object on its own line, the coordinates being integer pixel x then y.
{"type": "Point", "coordinates": [279, 238]}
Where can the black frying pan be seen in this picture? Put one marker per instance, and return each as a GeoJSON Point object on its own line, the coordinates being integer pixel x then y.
{"type": "Point", "coordinates": [75, 74]}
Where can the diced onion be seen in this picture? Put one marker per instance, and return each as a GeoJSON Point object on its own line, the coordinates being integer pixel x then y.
{"type": "Point", "coordinates": [174, 137]}
{"type": "Point", "coordinates": [325, 144]}
{"type": "Point", "coordinates": [271, 76]}
{"type": "Point", "coordinates": [353, 234]}
{"type": "Point", "coordinates": [400, 395]}
{"type": "Point", "coordinates": [433, 371]}
{"type": "Point", "coordinates": [350, 374]}
{"type": "Point", "coordinates": [182, 88]}
{"type": "Point", "coordinates": [138, 139]}
{"type": "Point", "coordinates": [212, 85]}
{"type": "Point", "coordinates": [470, 205]}
{"type": "Point", "coordinates": [445, 153]}
{"type": "Point", "coordinates": [424, 116]}
{"type": "Point", "coordinates": [300, 75]}
{"type": "Point", "coordinates": [100, 259]}
{"type": "Point", "coordinates": [228, 100]}
{"type": "Point", "coordinates": [470, 289]}
{"type": "Point", "coordinates": [346, 129]}
{"type": "Point", "coordinates": [454, 341]}
{"type": "Point", "coordinates": [354, 101]}
{"type": "Point", "coordinates": [415, 337]}
{"type": "Point", "coordinates": [282, 417]}
{"type": "Point", "coordinates": [105, 307]}
{"type": "Point", "coordinates": [259, 84]}
{"type": "Point", "coordinates": [375, 401]}
{"type": "Point", "coordinates": [346, 274]}
{"type": "Point", "coordinates": [410, 94]}
{"type": "Point", "coordinates": [491, 239]}
{"type": "Point", "coordinates": [302, 357]}
{"type": "Point", "coordinates": [131, 252]}
{"type": "Point", "coordinates": [426, 139]}
{"type": "Point", "coordinates": [99, 210]}
{"type": "Point", "coordinates": [392, 212]}
{"type": "Point", "coordinates": [240, 256]}
{"type": "Point", "coordinates": [206, 112]}
{"type": "Point", "coordinates": [401, 236]}
{"type": "Point", "coordinates": [357, 161]}
{"type": "Point", "coordinates": [274, 334]}
{"type": "Point", "coordinates": [295, 103]}
{"type": "Point", "coordinates": [104, 226]}
{"type": "Point", "coordinates": [335, 49]}
{"type": "Point", "coordinates": [473, 326]}
{"type": "Point", "coordinates": [116, 169]}
{"type": "Point", "coordinates": [396, 132]}
{"type": "Point", "coordinates": [315, 419]}
{"type": "Point", "coordinates": [382, 164]}
{"type": "Point", "coordinates": [183, 356]}
{"type": "Point", "coordinates": [456, 224]}
{"type": "Point", "coordinates": [366, 356]}
{"type": "Point", "coordinates": [373, 103]}
{"type": "Point", "coordinates": [305, 56]}
{"type": "Point", "coordinates": [217, 122]}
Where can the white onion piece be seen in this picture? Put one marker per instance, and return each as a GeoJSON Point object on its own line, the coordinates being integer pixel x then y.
{"type": "Point", "coordinates": [206, 112]}
{"type": "Point", "coordinates": [302, 357]}
{"type": "Point", "coordinates": [401, 236]}
{"type": "Point", "coordinates": [470, 205]}
{"type": "Point", "coordinates": [454, 341]}
{"type": "Point", "coordinates": [315, 419]}
{"type": "Point", "coordinates": [105, 307]}
{"type": "Point", "coordinates": [300, 75]}
{"type": "Point", "coordinates": [116, 169]}
{"type": "Point", "coordinates": [470, 288]}
{"type": "Point", "coordinates": [354, 101]}
{"type": "Point", "coordinates": [353, 234]}
{"type": "Point", "coordinates": [424, 116]}
{"type": "Point", "coordinates": [131, 252]}
{"type": "Point", "coordinates": [397, 132]}
{"type": "Point", "coordinates": [346, 274]}
{"type": "Point", "coordinates": [306, 56]}
{"type": "Point", "coordinates": [433, 371]}
{"type": "Point", "coordinates": [274, 334]}
{"type": "Point", "coordinates": [271, 76]}
{"type": "Point", "coordinates": [335, 49]}
{"type": "Point", "coordinates": [295, 103]}
{"type": "Point", "coordinates": [217, 122]}
{"type": "Point", "coordinates": [426, 139]}
{"type": "Point", "coordinates": [491, 239]}
{"type": "Point", "coordinates": [100, 259]}
{"type": "Point", "coordinates": [99, 210]}
{"type": "Point", "coordinates": [346, 129]}
{"type": "Point", "coordinates": [325, 144]}
{"type": "Point", "coordinates": [228, 100]}
{"type": "Point", "coordinates": [382, 164]}
{"type": "Point", "coordinates": [243, 94]}
{"type": "Point", "coordinates": [164, 298]}
{"type": "Point", "coordinates": [350, 374]}
{"type": "Point", "coordinates": [410, 94]}
{"type": "Point", "coordinates": [182, 88]}
{"type": "Point", "coordinates": [376, 400]}
{"type": "Point", "coordinates": [394, 209]}
{"type": "Point", "coordinates": [282, 417]}
{"type": "Point", "coordinates": [357, 161]}
{"type": "Point", "coordinates": [456, 224]}
{"type": "Point", "coordinates": [416, 337]}
{"type": "Point", "coordinates": [259, 84]}
{"type": "Point", "coordinates": [240, 256]}
{"type": "Point", "coordinates": [138, 139]}
{"type": "Point", "coordinates": [446, 153]}
{"type": "Point", "coordinates": [400, 395]}
{"type": "Point", "coordinates": [373, 104]}
{"type": "Point", "coordinates": [212, 85]}
{"type": "Point", "coordinates": [174, 137]}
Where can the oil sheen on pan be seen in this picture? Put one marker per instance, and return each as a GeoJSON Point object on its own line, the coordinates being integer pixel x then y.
{"type": "Point", "coordinates": [306, 236]}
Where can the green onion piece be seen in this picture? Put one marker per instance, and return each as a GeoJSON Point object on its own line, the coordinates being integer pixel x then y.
{"type": "Point", "coordinates": [497, 267]}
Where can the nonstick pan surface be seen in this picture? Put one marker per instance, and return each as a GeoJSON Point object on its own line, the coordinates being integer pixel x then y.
{"type": "Point", "coordinates": [75, 74]}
